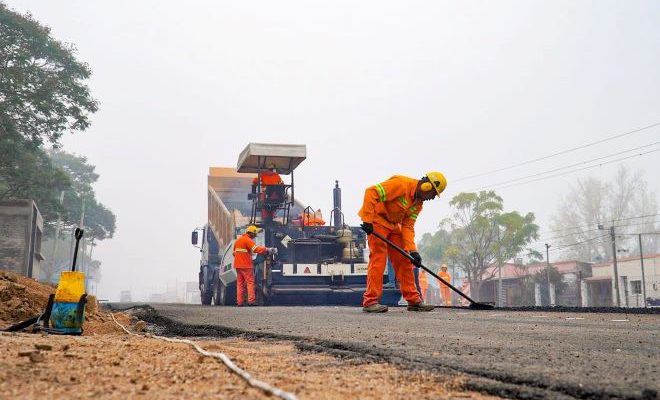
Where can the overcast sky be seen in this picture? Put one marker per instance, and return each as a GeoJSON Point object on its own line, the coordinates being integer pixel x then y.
{"type": "Point", "coordinates": [373, 88]}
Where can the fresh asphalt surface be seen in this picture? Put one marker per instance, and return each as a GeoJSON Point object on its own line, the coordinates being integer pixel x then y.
{"type": "Point", "coordinates": [511, 353]}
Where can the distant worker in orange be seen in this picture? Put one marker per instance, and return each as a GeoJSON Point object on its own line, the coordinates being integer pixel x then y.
{"type": "Point", "coordinates": [391, 209]}
{"type": "Point", "coordinates": [268, 178]}
{"type": "Point", "coordinates": [423, 283]}
{"type": "Point", "coordinates": [244, 247]}
{"type": "Point", "coordinates": [446, 292]}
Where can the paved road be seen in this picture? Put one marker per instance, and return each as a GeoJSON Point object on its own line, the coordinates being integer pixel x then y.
{"type": "Point", "coordinates": [518, 354]}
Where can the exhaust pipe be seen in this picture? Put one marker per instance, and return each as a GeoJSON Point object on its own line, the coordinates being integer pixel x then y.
{"type": "Point", "coordinates": [336, 205]}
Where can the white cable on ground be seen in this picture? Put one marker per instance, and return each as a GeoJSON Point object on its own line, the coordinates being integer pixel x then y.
{"type": "Point", "coordinates": [225, 360]}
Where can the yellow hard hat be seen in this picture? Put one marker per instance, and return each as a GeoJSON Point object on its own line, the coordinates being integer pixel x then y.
{"type": "Point", "coordinates": [437, 180]}
{"type": "Point", "coordinates": [252, 229]}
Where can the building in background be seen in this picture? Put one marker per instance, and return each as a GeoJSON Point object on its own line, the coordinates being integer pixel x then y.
{"type": "Point", "coordinates": [525, 285]}
{"type": "Point", "coordinates": [21, 229]}
{"type": "Point", "coordinates": [601, 289]}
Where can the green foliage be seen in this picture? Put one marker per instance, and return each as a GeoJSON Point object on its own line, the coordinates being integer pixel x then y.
{"type": "Point", "coordinates": [432, 246]}
{"type": "Point", "coordinates": [27, 172]}
{"type": "Point", "coordinates": [99, 220]}
{"type": "Point", "coordinates": [42, 94]}
{"type": "Point", "coordinates": [483, 235]}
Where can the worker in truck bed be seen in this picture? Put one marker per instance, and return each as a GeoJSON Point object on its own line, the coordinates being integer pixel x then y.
{"type": "Point", "coordinates": [244, 247]}
{"type": "Point", "coordinates": [391, 209]}
{"type": "Point", "coordinates": [270, 197]}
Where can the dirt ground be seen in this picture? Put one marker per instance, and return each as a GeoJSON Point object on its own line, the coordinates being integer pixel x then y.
{"type": "Point", "coordinates": [107, 363]}
{"type": "Point", "coordinates": [115, 365]}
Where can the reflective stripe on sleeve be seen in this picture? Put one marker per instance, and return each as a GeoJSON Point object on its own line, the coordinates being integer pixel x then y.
{"type": "Point", "coordinates": [253, 248]}
{"type": "Point", "coordinates": [240, 251]}
{"type": "Point", "coordinates": [403, 202]}
{"type": "Point", "coordinates": [413, 217]}
{"type": "Point", "coordinates": [381, 192]}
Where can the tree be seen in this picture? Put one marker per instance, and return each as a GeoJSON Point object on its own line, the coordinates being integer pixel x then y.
{"type": "Point", "coordinates": [483, 235]}
{"type": "Point", "coordinates": [99, 221]}
{"type": "Point", "coordinates": [620, 201]}
{"type": "Point", "coordinates": [42, 95]}
{"type": "Point", "coordinates": [42, 90]}
{"type": "Point", "coordinates": [432, 247]}
{"type": "Point", "coordinates": [27, 171]}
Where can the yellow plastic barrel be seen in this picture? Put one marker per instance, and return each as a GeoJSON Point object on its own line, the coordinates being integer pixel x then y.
{"type": "Point", "coordinates": [71, 287]}
{"type": "Point", "coordinates": [66, 315]}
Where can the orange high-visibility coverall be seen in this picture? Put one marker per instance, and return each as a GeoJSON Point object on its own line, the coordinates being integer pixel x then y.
{"type": "Point", "coordinates": [244, 247]}
{"type": "Point", "coordinates": [446, 292]}
{"type": "Point", "coordinates": [423, 283]}
{"type": "Point", "coordinates": [392, 209]}
{"type": "Point", "coordinates": [268, 177]}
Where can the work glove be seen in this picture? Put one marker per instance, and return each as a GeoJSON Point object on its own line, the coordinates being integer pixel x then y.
{"type": "Point", "coordinates": [417, 259]}
{"type": "Point", "coordinates": [367, 227]}
{"type": "Point", "coordinates": [272, 250]}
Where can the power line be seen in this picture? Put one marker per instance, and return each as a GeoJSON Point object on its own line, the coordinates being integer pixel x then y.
{"type": "Point", "coordinates": [595, 224]}
{"type": "Point", "coordinates": [548, 240]}
{"type": "Point", "coordinates": [566, 166]}
{"type": "Point", "coordinates": [575, 170]}
{"type": "Point", "coordinates": [577, 243]}
{"type": "Point", "coordinates": [641, 223]}
{"type": "Point", "coordinates": [558, 153]}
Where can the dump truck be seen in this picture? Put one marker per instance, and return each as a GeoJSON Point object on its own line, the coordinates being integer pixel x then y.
{"type": "Point", "coordinates": [314, 264]}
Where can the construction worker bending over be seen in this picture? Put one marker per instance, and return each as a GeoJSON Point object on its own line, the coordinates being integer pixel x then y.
{"type": "Point", "coordinates": [446, 292]}
{"type": "Point", "coordinates": [244, 247]}
{"type": "Point", "coordinates": [391, 208]}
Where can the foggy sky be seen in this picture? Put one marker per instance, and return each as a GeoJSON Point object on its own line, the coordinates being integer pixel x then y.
{"type": "Point", "coordinates": [373, 88]}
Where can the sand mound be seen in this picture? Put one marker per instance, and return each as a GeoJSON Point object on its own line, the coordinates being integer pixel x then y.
{"type": "Point", "coordinates": [22, 298]}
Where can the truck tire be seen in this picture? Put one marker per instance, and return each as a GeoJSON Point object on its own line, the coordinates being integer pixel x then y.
{"type": "Point", "coordinates": [206, 292]}
{"type": "Point", "coordinates": [224, 296]}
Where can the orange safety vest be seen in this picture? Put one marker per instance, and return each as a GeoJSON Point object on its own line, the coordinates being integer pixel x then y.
{"type": "Point", "coordinates": [392, 204]}
{"type": "Point", "coordinates": [244, 247]}
{"type": "Point", "coordinates": [445, 276]}
{"type": "Point", "coordinates": [268, 178]}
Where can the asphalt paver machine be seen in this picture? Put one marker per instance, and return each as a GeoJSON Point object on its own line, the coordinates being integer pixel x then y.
{"type": "Point", "coordinates": [314, 265]}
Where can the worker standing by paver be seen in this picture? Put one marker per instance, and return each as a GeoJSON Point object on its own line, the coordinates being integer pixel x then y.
{"type": "Point", "coordinates": [391, 208]}
{"type": "Point", "coordinates": [244, 247]}
{"type": "Point", "coordinates": [446, 293]}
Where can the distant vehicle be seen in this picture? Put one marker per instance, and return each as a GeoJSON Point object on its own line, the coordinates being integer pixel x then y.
{"type": "Point", "coordinates": [652, 302]}
{"type": "Point", "coordinates": [125, 296]}
{"type": "Point", "coordinates": [315, 264]}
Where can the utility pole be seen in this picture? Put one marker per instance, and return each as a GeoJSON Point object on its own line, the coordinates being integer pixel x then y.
{"type": "Point", "coordinates": [499, 264]}
{"type": "Point", "coordinates": [57, 238]}
{"type": "Point", "coordinates": [616, 268]}
{"type": "Point", "coordinates": [547, 268]}
{"type": "Point", "coordinates": [641, 260]}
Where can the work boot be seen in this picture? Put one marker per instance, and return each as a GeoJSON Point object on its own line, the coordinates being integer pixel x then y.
{"type": "Point", "coordinates": [421, 306]}
{"type": "Point", "coordinates": [252, 304]}
{"type": "Point", "coordinates": [375, 308]}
